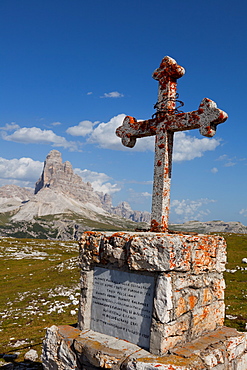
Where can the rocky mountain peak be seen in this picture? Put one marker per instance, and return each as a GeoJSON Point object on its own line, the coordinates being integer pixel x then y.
{"type": "Point", "coordinates": [53, 171]}
{"type": "Point", "coordinates": [56, 173]}
{"type": "Point", "coordinates": [60, 176]}
{"type": "Point", "coordinates": [54, 156]}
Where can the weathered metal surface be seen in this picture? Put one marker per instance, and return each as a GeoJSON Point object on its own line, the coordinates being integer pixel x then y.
{"type": "Point", "coordinates": [166, 122]}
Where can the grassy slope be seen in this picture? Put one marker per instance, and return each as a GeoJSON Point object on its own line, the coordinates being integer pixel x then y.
{"type": "Point", "coordinates": [37, 293]}
{"type": "Point", "coordinates": [61, 226]}
{"type": "Point", "coordinates": [236, 282]}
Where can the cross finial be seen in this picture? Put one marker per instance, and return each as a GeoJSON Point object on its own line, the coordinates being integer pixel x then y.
{"type": "Point", "coordinates": [163, 126]}
{"type": "Point", "coordinates": [167, 74]}
{"type": "Point", "coordinates": [168, 69]}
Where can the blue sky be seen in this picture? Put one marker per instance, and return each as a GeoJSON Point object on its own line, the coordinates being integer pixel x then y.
{"type": "Point", "coordinates": [71, 70]}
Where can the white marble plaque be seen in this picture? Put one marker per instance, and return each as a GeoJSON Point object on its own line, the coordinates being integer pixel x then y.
{"type": "Point", "coordinates": [122, 304]}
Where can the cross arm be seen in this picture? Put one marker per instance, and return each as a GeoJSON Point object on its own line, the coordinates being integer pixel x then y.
{"type": "Point", "coordinates": [132, 129]}
{"type": "Point", "coordinates": [206, 118]}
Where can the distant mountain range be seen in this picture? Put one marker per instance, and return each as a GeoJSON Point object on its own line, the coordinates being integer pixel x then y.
{"type": "Point", "coordinates": [62, 206]}
{"type": "Point", "coordinates": [211, 227]}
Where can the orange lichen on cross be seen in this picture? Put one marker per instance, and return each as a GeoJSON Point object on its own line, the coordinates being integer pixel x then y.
{"type": "Point", "coordinates": [167, 121]}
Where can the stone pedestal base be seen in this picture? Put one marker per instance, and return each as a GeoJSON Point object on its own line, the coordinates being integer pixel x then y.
{"type": "Point", "coordinates": [187, 270]}
{"type": "Point", "coordinates": [183, 306]}
{"type": "Point", "coordinates": [67, 348]}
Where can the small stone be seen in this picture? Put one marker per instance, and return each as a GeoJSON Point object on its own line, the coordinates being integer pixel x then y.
{"type": "Point", "coordinates": [10, 357]}
{"type": "Point", "coordinates": [31, 355]}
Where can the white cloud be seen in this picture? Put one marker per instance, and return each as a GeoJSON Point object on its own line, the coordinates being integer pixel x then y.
{"type": "Point", "coordinates": [10, 126]}
{"type": "Point", "coordinates": [82, 129]}
{"type": "Point", "coordinates": [188, 147]}
{"type": "Point", "coordinates": [229, 162]}
{"type": "Point", "coordinates": [214, 170]}
{"type": "Point", "coordinates": [22, 172]}
{"type": "Point", "coordinates": [100, 181]}
{"type": "Point", "coordinates": [89, 93]}
{"type": "Point", "coordinates": [56, 123]}
{"type": "Point", "coordinates": [35, 135]}
{"type": "Point", "coordinates": [243, 212]}
{"type": "Point", "coordinates": [187, 209]}
{"type": "Point", "coordinates": [113, 94]}
{"type": "Point", "coordinates": [104, 135]}
{"type": "Point", "coordinates": [222, 157]}
{"type": "Point", "coordinates": [146, 194]}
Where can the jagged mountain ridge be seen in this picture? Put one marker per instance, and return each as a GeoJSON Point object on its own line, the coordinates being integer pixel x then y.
{"type": "Point", "coordinates": [60, 176]}
{"type": "Point", "coordinates": [63, 196]}
{"type": "Point", "coordinates": [11, 196]}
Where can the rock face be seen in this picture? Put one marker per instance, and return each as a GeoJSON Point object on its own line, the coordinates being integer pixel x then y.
{"type": "Point", "coordinates": [12, 197]}
{"type": "Point", "coordinates": [62, 206]}
{"type": "Point", "coordinates": [124, 210]}
{"type": "Point", "coordinates": [15, 192]}
{"type": "Point", "coordinates": [60, 176]}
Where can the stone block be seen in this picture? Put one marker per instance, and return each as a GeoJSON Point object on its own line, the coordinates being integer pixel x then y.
{"type": "Point", "coordinates": [89, 247]}
{"type": "Point", "coordinates": [240, 363]}
{"type": "Point", "coordinates": [154, 251]}
{"type": "Point", "coordinates": [163, 304]}
{"type": "Point", "coordinates": [157, 252]}
{"type": "Point", "coordinates": [218, 287]}
{"type": "Point", "coordinates": [185, 300]}
{"type": "Point", "coordinates": [214, 357]}
{"type": "Point", "coordinates": [114, 251]}
{"type": "Point", "coordinates": [57, 352]}
{"type": "Point", "coordinates": [66, 348]}
{"type": "Point", "coordinates": [169, 362]}
{"type": "Point", "coordinates": [236, 346]}
{"type": "Point", "coordinates": [103, 351]}
{"type": "Point", "coordinates": [166, 336]}
{"type": "Point", "coordinates": [209, 254]}
{"type": "Point", "coordinates": [207, 318]}
{"type": "Point", "coordinates": [84, 314]}
{"type": "Point", "coordinates": [182, 281]}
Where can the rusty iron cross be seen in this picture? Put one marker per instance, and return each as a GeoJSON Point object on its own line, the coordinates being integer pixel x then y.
{"type": "Point", "coordinates": [167, 121]}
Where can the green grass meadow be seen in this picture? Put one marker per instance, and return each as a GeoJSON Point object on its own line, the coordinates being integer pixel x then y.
{"type": "Point", "coordinates": [236, 281]}
{"type": "Point", "coordinates": [39, 285]}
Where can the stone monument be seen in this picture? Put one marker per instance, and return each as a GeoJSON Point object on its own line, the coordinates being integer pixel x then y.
{"type": "Point", "coordinates": [152, 299]}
